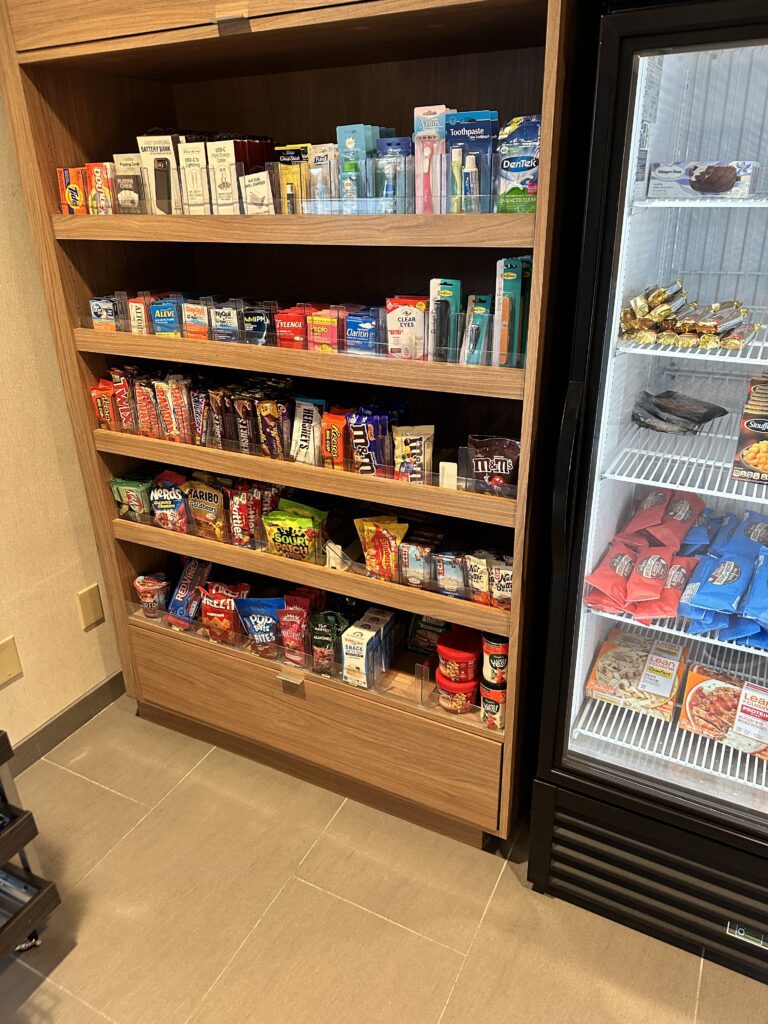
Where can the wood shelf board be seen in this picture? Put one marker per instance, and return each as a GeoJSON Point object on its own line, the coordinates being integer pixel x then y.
{"type": "Point", "coordinates": [443, 378]}
{"type": "Point", "coordinates": [402, 688]}
{"type": "Point", "coordinates": [278, 38]}
{"type": "Point", "coordinates": [484, 508]}
{"type": "Point", "coordinates": [391, 595]}
{"type": "Point", "coordinates": [469, 230]}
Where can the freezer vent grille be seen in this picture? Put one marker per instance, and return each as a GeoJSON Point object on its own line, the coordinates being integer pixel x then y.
{"type": "Point", "coordinates": [639, 732]}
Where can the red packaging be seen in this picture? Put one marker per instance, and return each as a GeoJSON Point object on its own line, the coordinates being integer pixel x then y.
{"type": "Point", "coordinates": [459, 651]}
{"type": "Point", "coordinates": [296, 600]}
{"type": "Point", "coordinates": [681, 513]}
{"type": "Point", "coordinates": [123, 395]}
{"type": "Point", "coordinates": [168, 428]}
{"type": "Point", "coordinates": [178, 393]}
{"type": "Point", "coordinates": [218, 612]}
{"type": "Point", "coordinates": [295, 635]}
{"type": "Point", "coordinates": [103, 398]}
{"type": "Point", "coordinates": [649, 513]}
{"type": "Point", "coordinates": [609, 580]}
{"type": "Point", "coordinates": [454, 696]}
{"type": "Point", "coordinates": [649, 574]}
{"type": "Point", "coordinates": [146, 410]}
{"type": "Point", "coordinates": [242, 515]}
{"type": "Point", "coordinates": [665, 606]}
{"type": "Point", "coordinates": [291, 327]}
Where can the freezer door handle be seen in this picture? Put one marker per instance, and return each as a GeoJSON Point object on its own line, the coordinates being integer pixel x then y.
{"type": "Point", "coordinates": [566, 449]}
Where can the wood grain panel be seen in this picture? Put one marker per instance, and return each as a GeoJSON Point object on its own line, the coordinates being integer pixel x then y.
{"type": "Point", "coordinates": [57, 22]}
{"type": "Point", "coordinates": [473, 230]}
{"type": "Point", "coordinates": [443, 378]}
{"type": "Point", "coordinates": [482, 508]}
{"type": "Point", "coordinates": [452, 772]}
{"type": "Point", "coordinates": [392, 595]}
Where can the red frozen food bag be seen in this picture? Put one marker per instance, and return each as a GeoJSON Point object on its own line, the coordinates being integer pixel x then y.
{"type": "Point", "coordinates": [665, 606]}
{"type": "Point", "coordinates": [649, 574]}
{"type": "Point", "coordinates": [610, 579]}
{"type": "Point", "coordinates": [649, 512]}
{"type": "Point", "coordinates": [681, 513]}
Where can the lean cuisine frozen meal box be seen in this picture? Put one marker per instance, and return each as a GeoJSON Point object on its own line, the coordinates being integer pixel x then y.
{"type": "Point", "coordinates": [638, 673]}
{"type": "Point", "coordinates": [727, 709]}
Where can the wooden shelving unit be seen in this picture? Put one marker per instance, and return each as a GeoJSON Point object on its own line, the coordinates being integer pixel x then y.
{"type": "Point", "coordinates": [72, 98]}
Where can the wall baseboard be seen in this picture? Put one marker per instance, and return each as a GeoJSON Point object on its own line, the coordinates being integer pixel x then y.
{"type": "Point", "coordinates": [58, 728]}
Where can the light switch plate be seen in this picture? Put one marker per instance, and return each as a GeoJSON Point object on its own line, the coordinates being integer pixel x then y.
{"type": "Point", "coordinates": [90, 606]}
{"type": "Point", "coordinates": [10, 666]}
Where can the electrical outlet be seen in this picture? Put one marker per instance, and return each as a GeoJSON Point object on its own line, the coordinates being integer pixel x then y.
{"type": "Point", "coordinates": [10, 666]}
{"type": "Point", "coordinates": [90, 606]}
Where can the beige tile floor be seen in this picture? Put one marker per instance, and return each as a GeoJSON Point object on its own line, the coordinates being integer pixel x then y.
{"type": "Point", "coordinates": [201, 888]}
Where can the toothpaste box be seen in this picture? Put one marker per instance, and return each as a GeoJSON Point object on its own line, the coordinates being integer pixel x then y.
{"type": "Point", "coordinates": [702, 179]}
{"type": "Point", "coordinates": [407, 327]}
{"type": "Point", "coordinates": [360, 652]}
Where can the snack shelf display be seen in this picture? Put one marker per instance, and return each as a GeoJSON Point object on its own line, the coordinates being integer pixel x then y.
{"type": "Point", "coordinates": [409, 684]}
{"type": "Point", "coordinates": [490, 381]}
{"type": "Point", "coordinates": [454, 776]}
{"type": "Point", "coordinates": [394, 595]}
{"type": "Point", "coordinates": [463, 504]}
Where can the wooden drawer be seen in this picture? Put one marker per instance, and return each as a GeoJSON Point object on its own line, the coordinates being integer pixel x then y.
{"type": "Point", "coordinates": [56, 22]}
{"type": "Point", "coordinates": [448, 770]}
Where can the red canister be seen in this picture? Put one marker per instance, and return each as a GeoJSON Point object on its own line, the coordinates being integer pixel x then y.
{"type": "Point", "coordinates": [459, 651]}
{"type": "Point", "coordinates": [495, 659]}
{"type": "Point", "coordinates": [454, 695]}
{"type": "Point", "coordinates": [493, 701]}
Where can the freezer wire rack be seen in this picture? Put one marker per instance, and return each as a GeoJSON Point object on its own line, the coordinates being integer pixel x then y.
{"type": "Point", "coordinates": [642, 734]}
{"type": "Point", "coordinates": [679, 627]}
{"type": "Point", "coordinates": [754, 353]}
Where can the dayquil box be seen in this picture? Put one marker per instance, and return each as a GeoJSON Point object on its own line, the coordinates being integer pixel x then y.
{"type": "Point", "coordinates": [727, 709]}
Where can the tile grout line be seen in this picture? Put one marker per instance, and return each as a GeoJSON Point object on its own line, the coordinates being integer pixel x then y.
{"type": "Point", "coordinates": [264, 913]}
{"type": "Point", "coordinates": [218, 977]}
{"type": "Point", "coordinates": [320, 836]}
{"type": "Point", "coordinates": [381, 917]}
{"type": "Point", "coordinates": [698, 989]}
{"type": "Point", "coordinates": [480, 922]}
{"type": "Point", "coordinates": [101, 785]}
{"type": "Point", "coordinates": [61, 988]}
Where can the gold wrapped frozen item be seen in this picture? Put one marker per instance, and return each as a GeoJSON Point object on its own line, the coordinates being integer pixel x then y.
{"type": "Point", "coordinates": [667, 309]}
{"type": "Point", "coordinates": [725, 319]}
{"type": "Point", "coordinates": [709, 341]}
{"type": "Point", "coordinates": [736, 339]}
{"type": "Point", "coordinates": [667, 338]}
{"type": "Point", "coordinates": [687, 340]}
{"type": "Point", "coordinates": [639, 303]}
{"type": "Point", "coordinates": [664, 294]}
{"type": "Point", "coordinates": [689, 320]}
{"type": "Point", "coordinates": [646, 337]}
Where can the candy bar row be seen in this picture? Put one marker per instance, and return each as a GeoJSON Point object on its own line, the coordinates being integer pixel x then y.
{"type": "Point", "coordinates": [444, 326]}
{"type": "Point", "coordinates": [333, 636]}
{"type": "Point", "coordinates": [261, 416]}
{"type": "Point", "coordinates": [664, 315]}
{"type": "Point", "coordinates": [262, 517]}
{"type": "Point", "coordinates": [676, 557]}
{"type": "Point", "coordinates": [454, 162]}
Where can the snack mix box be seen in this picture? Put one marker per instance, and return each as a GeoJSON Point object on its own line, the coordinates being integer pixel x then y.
{"type": "Point", "coordinates": [638, 673]}
{"type": "Point", "coordinates": [727, 709]}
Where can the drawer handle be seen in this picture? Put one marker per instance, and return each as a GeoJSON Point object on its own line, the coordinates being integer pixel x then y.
{"type": "Point", "coordinates": [294, 678]}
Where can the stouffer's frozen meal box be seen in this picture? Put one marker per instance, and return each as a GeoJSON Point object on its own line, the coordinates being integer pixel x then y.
{"type": "Point", "coordinates": [700, 179]}
{"type": "Point", "coordinates": [638, 673]}
{"type": "Point", "coordinates": [727, 709]}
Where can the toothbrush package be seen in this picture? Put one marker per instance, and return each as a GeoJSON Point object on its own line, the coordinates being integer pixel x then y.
{"type": "Point", "coordinates": [470, 142]}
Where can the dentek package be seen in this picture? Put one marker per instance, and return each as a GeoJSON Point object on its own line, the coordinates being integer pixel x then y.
{"type": "Point", "coordinates": [701, 179]}
{"type": "Point", "coordinates": [518, 165]}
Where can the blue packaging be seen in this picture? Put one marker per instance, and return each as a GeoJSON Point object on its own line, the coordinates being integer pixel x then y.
{"type": "Point", "coordinates": [261, 624]}
{"type": "Point", "coordinates": [362, 336]}
{"type": "Point", "coordinates": [258, 326]}
{"type": "Point", "coordinates": [474, 133]}
{"type": "Point", "coordinates": [518, 165]}
{"type": "Point", "coordinates": [401, 146]}
{"type": "Point", "coordinates": [755, 601]}
{"type": "Point", "coordinates": [704, 567]}
{"type": "Point", "coordinates": [721, 541]}
{"type": "Point", "coordinates": [225, 320]}
{"type": "Point", "coordinates": [185, 601]}
{"type": "Point", "coordinates": [697, 540]}
{"type": "Point", "coordinates": [166, 317]}
{"type": "Point", "coordinates": [739, 629]}
{"type": "Point", "coordinates": [750, 534]}
{"type": "Point", "coordinates": [710, 622]}
{"type": "Point", "coordinates": [726, 584]}
{"type": "Point", "coordinates": [449, 573]}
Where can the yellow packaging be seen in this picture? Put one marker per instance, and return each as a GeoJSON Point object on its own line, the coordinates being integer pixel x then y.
{"type": "Point", "coordinates": [638, 673]}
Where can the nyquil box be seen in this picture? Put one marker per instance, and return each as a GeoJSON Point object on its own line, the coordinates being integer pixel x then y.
{"type": "Point", "coordinates": [702, 179]}
{"type": "Point", "coordinates": [360, 655]}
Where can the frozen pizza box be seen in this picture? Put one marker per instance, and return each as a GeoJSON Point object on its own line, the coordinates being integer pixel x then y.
{"type": "Point", "coordinates": [639, 673]}
{"type": "Point", "coordinates": [727, 709]}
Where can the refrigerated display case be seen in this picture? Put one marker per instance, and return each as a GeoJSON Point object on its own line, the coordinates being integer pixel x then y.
{"type": "Point", "coordinates": [651, 799]}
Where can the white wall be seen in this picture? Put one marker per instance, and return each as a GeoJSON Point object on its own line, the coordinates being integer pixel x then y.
{"type": "Point", "coordinates": [47, 549]}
